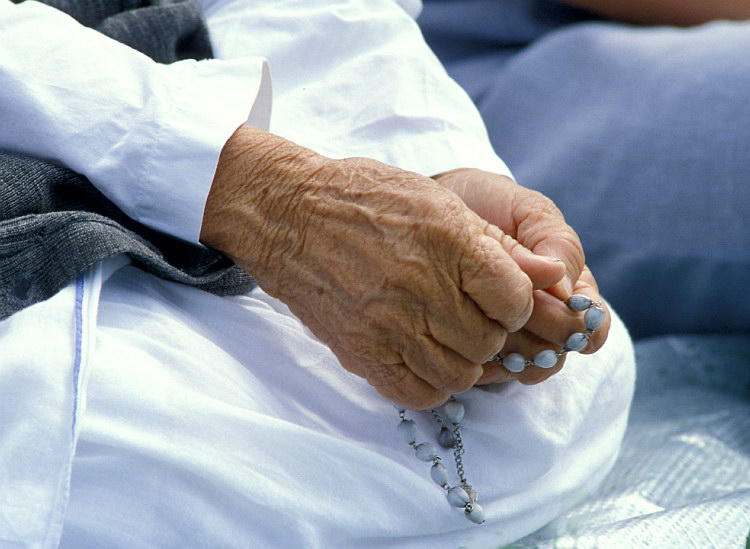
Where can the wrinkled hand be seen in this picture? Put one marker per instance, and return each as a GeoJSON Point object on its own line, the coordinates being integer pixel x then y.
{"type": "Point", "coordinates": [536, 223]}
{"type": "Point", "coordinates": [408, 287]}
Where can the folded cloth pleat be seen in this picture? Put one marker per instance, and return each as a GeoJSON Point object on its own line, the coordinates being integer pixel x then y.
{"type": "Point", "coordinates": [54, 224]}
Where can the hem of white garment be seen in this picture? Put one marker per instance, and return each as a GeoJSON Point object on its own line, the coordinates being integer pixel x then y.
{"type": "Point", "coordinates": [88, 289]}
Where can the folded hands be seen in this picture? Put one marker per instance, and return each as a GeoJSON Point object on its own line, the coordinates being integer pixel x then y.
{"type": "Point", "coordinates": [413, 283]}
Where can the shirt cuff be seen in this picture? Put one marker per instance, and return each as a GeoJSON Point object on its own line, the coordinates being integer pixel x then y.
{"type": "Point", "coordinates": [194, 110]}
{"type": "Point", "coordinates": [147, 135]}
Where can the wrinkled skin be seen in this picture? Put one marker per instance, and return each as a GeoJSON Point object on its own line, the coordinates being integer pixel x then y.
{"type": "Point", "coordinates": [534, 221]}
{"type": "Point", "coordinates": [409, 287]}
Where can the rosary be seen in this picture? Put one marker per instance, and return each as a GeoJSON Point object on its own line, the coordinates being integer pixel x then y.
{"type": "Point", "coordinates": [463, 494]}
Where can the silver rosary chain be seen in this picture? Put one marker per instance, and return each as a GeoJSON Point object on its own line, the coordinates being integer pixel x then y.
{"type": "Point", "coordinates": [449, 436]}
{"type": "Point", "coordinates": [458, 452]}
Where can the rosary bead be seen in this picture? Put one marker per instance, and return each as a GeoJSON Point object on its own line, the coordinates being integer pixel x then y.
{"type": "Point", "coordinates": [594, 318]}
{"type": "Point", "coordinates": [446, 438]}
{"type": "Point", "coordinates": [454, 411]}
{"type": "Point", "coordinates": [576, 342]}
{"type": "Point", "coordinates": [458, 497]}
{"type": "Point", "coordinates": [426, 451]}
{"type": "Point", "coordinates": [545, 359]}
{"type": "Point", "coordinates": [439, 474]}
{"type": "Point", "coordinates": [578, 303]}
{"type": "Point", "coordinates": [408, 431]}
{"type": "Point", "coordinates": [514, 362]}
{"type": "Point", "coordinates": [475, 513]}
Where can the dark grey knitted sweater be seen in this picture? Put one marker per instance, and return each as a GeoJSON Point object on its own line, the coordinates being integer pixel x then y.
{"type": "Point", "coordinates": [54, 224]}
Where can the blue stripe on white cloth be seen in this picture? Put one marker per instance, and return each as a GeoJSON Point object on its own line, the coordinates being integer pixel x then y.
{"type": "Point", "coordinates": [78, 351]}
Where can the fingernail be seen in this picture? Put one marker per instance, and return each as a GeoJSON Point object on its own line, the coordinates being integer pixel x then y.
{"type": "Point", "coordinates": [549, 259]}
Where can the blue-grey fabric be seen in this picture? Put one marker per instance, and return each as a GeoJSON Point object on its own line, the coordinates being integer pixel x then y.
{"type": "Point", "coordinates": [54, 224]}
{"type": "Point", "coordinates": [640, 135]}
{"type": "Point", "coordinates": [683, 475]}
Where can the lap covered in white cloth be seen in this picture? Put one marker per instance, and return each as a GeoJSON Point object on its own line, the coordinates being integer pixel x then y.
{"type": "Point", "coordinates": [222, 422]}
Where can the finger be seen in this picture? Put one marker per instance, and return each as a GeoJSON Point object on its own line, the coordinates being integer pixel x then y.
{"type": "Point", "coordinates": [586, 285]}
{"type": "Point", "coordinates": [543, 271]}
{"type": "Point", "coordinates": [495, 373]}
{"type": "Point", "coordinates": [528, 216]}
{"type": "Point", "coordinates": [399, 384]}
{"type": "Point", "coordinates": [541, 227]}
{"type": "Point", "coordinates": [439, 366]}
{"type": "Point", "coordinates": [396, 382]}
{"type": "Point", "coordinates": [527, 345]}
{"type": "Point", "coordinates": [457, 323]}
{"type": "Point", "coordinates": [552, 320]}
{"type": "Point", "coordinates": [493, 280]}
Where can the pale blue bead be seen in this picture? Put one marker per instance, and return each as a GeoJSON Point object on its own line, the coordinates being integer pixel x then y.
{"type": "Point", "coordinates": [545, 359]}
{"type": "Point", "coordinates": [514, 362]}
{"type": "Point", "coordinates": [439, 474]}
{"type": "Point", "coordinates": [446, 438]}
{"type": "Point", "coordinates": [426, 451]}
{"type": "Point", "coordinates": [458, 497]}
{"type": "Point", "coordinates": [579, 302]}
{"type": "Point", "coordinates": [576, 342]}
{"type": "Point", "coordinates": [408, 431]}
{"type": "Point", "coordinates": [476, 514]}
{"type": "Point", "coordinates": [398, 407]}
{"type": "Point", "coordinates": [594, 318]}
{"type": "Point", "coordinates": [454, 411]}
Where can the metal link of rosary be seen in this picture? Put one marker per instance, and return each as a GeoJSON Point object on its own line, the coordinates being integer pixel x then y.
{"type": "Point", "coordinates": [463, 494]}
{"type": "Point", "coordinates": [593, 318]}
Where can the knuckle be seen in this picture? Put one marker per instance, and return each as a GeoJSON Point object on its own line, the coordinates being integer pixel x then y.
{"type": "Point", "coordinates": [457, 382]}
{"type": "Point", "coordinates": [489, 343]}
{"type": "Point", "coordinates": [541, 206]}
{"type": "Point", "coordinates": [414, 396]}
{"type": "Point", "coordinates": [442, 368]}
{"type": "Point", "coordinates": [520, 303]}
{"type": "Point", "coordinates": [386, 375]}
{"type": "Point", "coordinates": [429, 399]}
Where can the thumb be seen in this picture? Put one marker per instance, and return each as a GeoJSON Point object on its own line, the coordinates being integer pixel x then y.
{"type": "Point", "coordinates": [493, 277]}
{"type": "Point", "coordinates": [543, 270]}
{"type": "Point", "coordinates": [568, 250]}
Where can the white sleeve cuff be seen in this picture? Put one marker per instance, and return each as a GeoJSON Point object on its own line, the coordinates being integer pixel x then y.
{"type": "Point", "coordinates": [147, 135]}
{"type": "Point", "coordinates": [164, 174]}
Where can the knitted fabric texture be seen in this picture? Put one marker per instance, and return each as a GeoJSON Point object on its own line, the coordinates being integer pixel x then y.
{"type": "Point", "coordinates": [54, 224]}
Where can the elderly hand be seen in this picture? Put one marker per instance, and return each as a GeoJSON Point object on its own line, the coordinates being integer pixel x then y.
{"type": "Point", "coordinates": [408, 287]}
{"type": "Point", "coordinates": [536, 223]}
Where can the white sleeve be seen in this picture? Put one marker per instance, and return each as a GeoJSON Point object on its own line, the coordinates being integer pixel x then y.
{"type": "Point", "coordinates": [147, 135]}
{"type": "Point", "coordinates": [356, 78]}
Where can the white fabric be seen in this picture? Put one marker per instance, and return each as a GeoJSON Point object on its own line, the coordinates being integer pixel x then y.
{"type": "Point", "coordinates": [147, 135]}
{"type": "Point", "coordinates": [223, 422]}
{"type": "Point", "coordinates": [44, 366]}
{"type": "Point", "coordinates": [355, 78]}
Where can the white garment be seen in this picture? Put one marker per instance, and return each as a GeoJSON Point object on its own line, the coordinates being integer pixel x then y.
{"type": "Point", "coordinates": [147, 135]}
{"type": "Point", "coordinates": [351, 78]}
{"type": "Point", "coordinates": [217, 422]}
{"type": "Point", "coordinates": [223, 422]}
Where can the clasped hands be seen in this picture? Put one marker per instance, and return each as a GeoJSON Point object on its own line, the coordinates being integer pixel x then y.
{"type": "Point", "coordinates": [413, 282]}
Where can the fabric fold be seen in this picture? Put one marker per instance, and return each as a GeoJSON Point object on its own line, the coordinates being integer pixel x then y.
{"type": "Point", "coordinates": [55, 224]}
